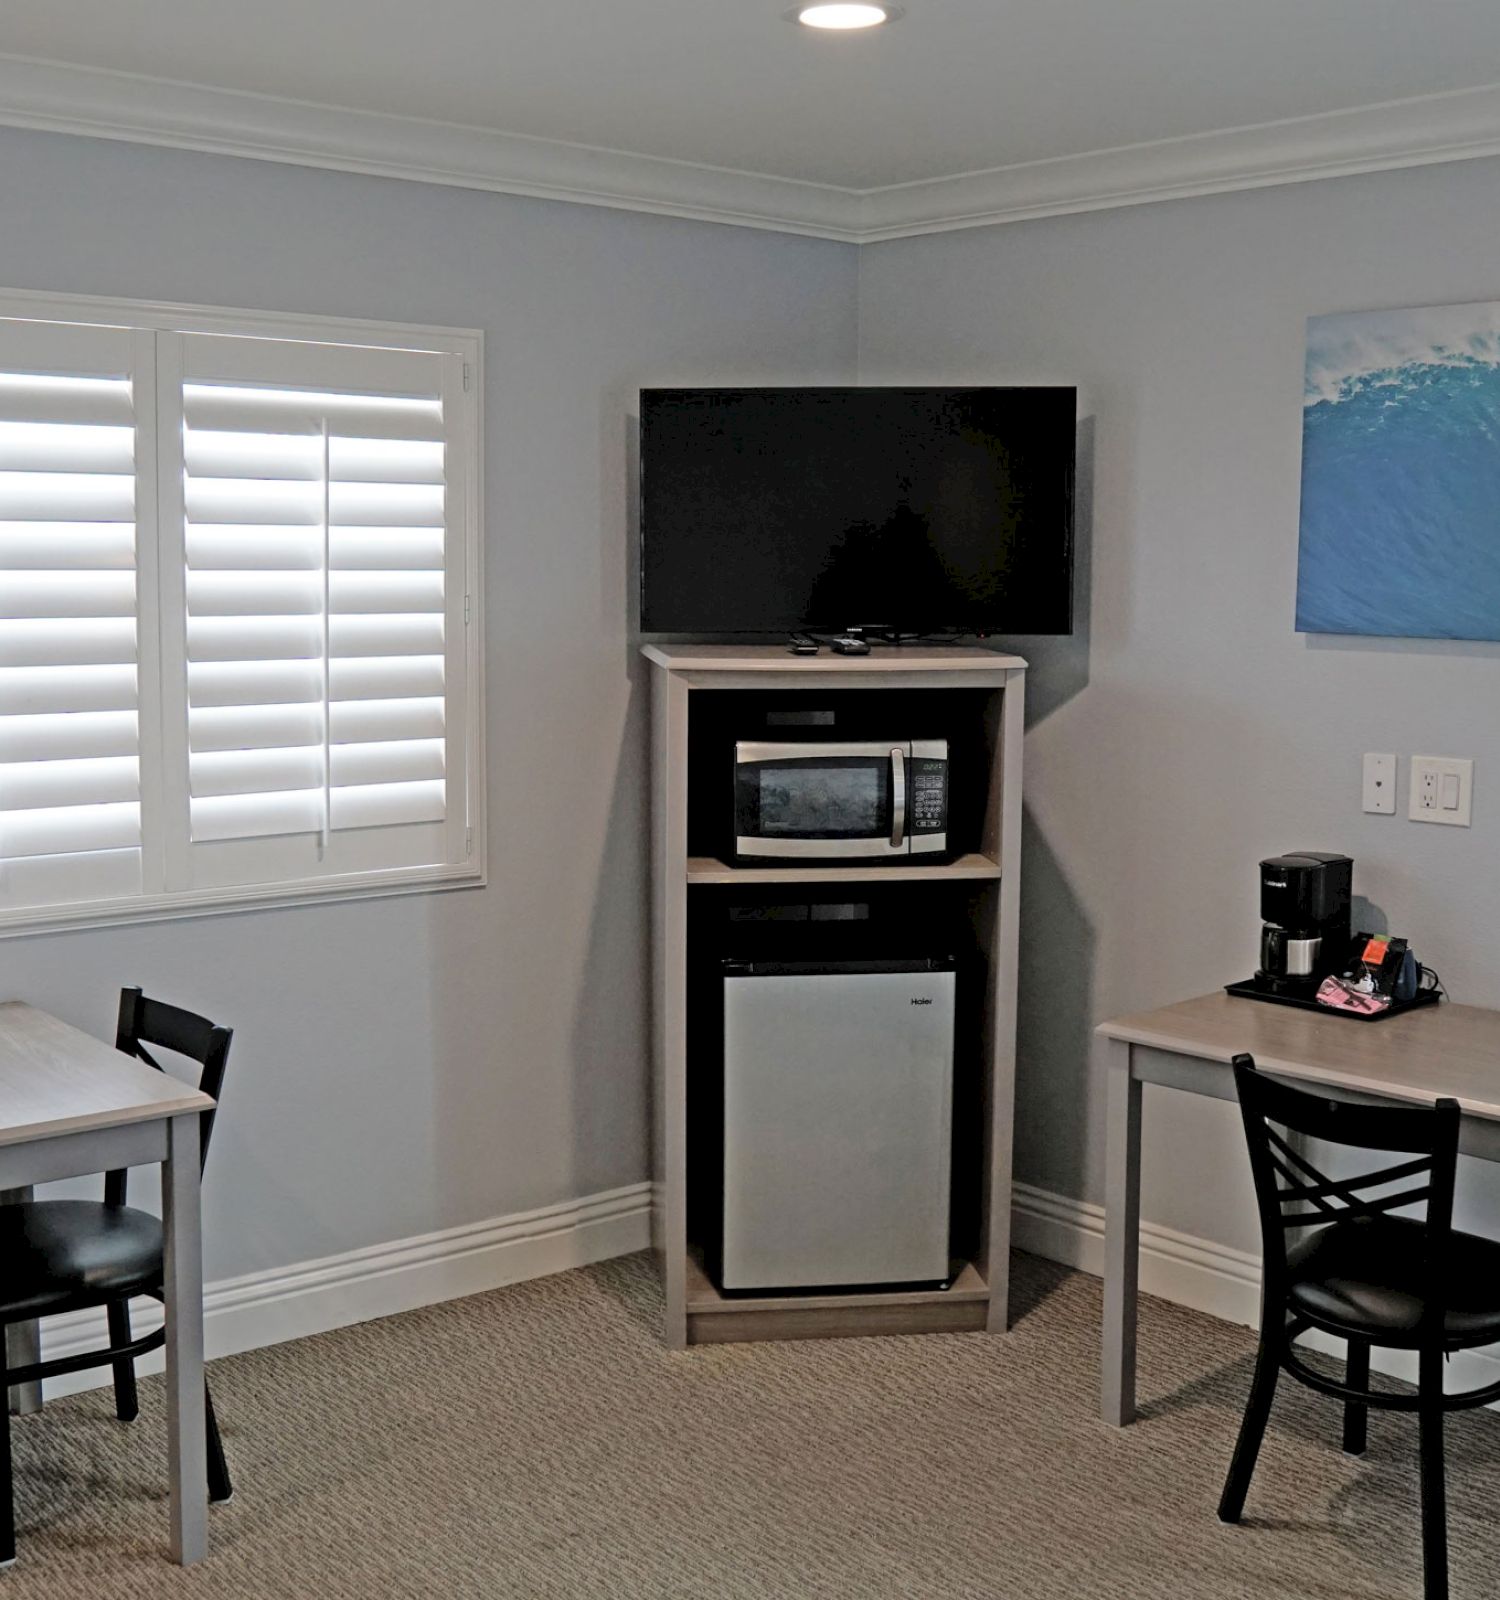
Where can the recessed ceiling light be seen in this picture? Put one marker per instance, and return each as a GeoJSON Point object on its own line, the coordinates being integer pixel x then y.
{"type": "Point", "coordinates": [844, 17]}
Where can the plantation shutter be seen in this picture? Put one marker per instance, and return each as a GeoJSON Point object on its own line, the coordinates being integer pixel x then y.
{"type": "Point", "coordinates": [323, 609]}
{"type": "Point", "coordinates": [70, 753]}
{"type": "Point", "coordinates": [237, 567]}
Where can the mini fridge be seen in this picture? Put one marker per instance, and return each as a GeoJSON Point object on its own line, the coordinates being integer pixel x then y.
{"type": "Point", "coordinates": [837, 1124]}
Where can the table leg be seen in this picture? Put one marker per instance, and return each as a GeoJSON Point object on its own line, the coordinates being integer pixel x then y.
{"type": "Point", "coordinates": [1122, 1236]}
{"type": "Point", "coordinates": [186, 1443]}
{"type": "Point", "coordinates": [23, 1341]}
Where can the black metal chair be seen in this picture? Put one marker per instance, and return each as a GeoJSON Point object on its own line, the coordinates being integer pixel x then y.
{"type": "Point", "coordinates": [1364, 1274]}
{"type": "Point", "coordinates": [72, 1255]}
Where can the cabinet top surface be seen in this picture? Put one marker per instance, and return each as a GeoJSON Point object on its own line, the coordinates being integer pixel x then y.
{"type": "Point", "coordinates": [779, 658]}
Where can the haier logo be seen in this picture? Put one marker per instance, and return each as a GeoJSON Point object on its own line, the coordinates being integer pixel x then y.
{"type": "Point", "coordinates": [922, 1000]}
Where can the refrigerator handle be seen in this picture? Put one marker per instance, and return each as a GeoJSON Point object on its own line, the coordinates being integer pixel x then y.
{"type": "Point", "coordinates": [898, 799]}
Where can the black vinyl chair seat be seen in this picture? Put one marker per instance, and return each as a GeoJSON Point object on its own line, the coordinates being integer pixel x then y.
{"type": "Point", "coordinates": [66, 1255]}
{"type": "Point", "coordinates": [1368, 1276]}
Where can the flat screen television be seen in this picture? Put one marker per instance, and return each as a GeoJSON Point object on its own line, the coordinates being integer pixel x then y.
{"type": "Point", "coordinates": [904, 511]}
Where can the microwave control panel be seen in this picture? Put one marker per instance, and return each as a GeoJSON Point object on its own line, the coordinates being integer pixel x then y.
{"type": "Point", "coordinates": [928, 807]}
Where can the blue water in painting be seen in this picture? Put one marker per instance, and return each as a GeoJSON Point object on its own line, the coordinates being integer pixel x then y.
{"type": "Point", "coordinates": [1401, 504]}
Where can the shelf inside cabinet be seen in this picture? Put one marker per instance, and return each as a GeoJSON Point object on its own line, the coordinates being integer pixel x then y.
{"type": "Point", "coordinates": [973, 866]}
{"type": "Point", "coordinates": [703, 1298]}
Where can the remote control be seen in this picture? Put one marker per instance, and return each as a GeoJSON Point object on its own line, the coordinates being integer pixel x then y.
{"type": "Point", "coordinates": [848, 645]}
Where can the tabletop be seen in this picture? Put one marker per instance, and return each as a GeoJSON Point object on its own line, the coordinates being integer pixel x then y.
{"type": "Point", "coordinates": [1421, 1055]}
{"type": "Point", "coordinates": [56, 1079]}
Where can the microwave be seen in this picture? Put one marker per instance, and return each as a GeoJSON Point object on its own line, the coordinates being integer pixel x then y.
{"type": "Point", "coordinates": [863, 801]}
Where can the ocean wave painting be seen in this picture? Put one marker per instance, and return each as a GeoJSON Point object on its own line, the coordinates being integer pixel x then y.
{"type": "Point", "coordinates": [1400, 527]}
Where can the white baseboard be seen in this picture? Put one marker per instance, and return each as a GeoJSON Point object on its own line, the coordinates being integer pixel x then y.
{"type": "Point", "coordinates": [1193, 1272]}
{"type": "Point", "coordinates": [1175, 1266]}
{"type": "Point", "coordinates": [295, 1302]}
{"type": "Point", "coordinates": [265, 1308]}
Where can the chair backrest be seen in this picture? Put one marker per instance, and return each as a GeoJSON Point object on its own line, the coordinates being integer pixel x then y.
{"type": "Point", "coordinates": [152, 1022]}
{"type": "Point", "coordinates": [1292, 1193]}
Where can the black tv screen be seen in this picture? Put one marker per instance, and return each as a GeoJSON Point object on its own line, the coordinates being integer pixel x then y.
{"type": "Point", "coordinates": [914, 511]}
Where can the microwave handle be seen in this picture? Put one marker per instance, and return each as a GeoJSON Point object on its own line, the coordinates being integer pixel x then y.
{"type": "Point", "coordinates": [898, 799]}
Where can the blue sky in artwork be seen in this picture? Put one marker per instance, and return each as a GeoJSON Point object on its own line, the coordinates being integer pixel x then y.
{"type": "Point", "coordinates": [1400, 530]}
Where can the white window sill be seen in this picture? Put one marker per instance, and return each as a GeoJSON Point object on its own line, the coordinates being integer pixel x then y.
{"type": "Point", "coordinates": [251, 897]}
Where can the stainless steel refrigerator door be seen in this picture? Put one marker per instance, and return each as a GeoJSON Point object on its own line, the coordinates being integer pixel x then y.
{"type": "Point", "coordinates": [838, 1120]}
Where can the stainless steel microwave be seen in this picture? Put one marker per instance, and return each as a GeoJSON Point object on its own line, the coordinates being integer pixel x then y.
{"type": "Point", "coordinates": [867, 801]}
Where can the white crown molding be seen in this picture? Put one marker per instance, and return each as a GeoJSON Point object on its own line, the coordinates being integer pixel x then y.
{"type": "Point", "coordinates": [1400, 133]}
{"type": "Point", "coordinates": [56, 97]}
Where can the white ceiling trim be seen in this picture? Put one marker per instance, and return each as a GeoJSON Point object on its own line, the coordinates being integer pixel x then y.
{"type": "Point", "coordinates": [61, 98]}
{"type": "Point", "coordinates": [1400, 133]}
{"type": "Point", "coordinates": [117, 105]}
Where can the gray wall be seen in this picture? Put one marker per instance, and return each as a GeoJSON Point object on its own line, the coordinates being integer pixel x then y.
{"type": "Point", "coordinates": [1186, 731]}
{"type": "Point", "coordinates": [411, 1064]}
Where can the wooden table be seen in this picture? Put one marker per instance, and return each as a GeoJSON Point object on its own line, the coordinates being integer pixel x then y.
{"type": "Point", "coordinates": [70, 1106]}
{"type": "Point", "coordinates": [1421, 1056]}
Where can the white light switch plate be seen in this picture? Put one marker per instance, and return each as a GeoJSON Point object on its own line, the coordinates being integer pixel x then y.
{"type": "Point", "coordinates": [1380, 785]}
{"type": "Point", "coordinates": [1442, 790]}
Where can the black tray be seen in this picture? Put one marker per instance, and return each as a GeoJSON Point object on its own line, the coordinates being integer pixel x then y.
{"type": "Point", "coordinates": [1247, 989]}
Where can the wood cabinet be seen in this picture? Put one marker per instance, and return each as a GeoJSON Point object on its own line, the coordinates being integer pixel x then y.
{"type": "Point", "coordinates": [976, 690]}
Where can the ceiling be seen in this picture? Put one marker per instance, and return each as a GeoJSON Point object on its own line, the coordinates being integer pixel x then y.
{"type": "Point", "coordinates": [953, 87]}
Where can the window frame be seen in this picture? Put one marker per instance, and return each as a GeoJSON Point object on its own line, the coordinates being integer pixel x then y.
{"type": "Point", "coordinates": [147, 319]}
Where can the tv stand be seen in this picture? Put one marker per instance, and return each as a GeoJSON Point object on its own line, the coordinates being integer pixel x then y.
{"type": "Point", "coordinates": [976, 691]}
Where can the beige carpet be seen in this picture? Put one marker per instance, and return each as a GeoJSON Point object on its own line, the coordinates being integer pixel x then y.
{"type": "Point", "coordinates": [537, 1442]}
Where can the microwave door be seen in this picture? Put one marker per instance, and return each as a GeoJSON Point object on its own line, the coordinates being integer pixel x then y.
{"type": "Point", "coordinates": [822, 801]}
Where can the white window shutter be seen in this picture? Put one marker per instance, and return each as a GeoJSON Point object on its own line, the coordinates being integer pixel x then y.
{"type": "Point", "coordinates": [70, 813]}
{"type": "Point", "coordinates": [318, 552]}
{"type": "Point", "coordinates": [237, 665]}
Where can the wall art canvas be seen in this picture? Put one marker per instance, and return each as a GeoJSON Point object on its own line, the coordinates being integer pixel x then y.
{"type": "Point", "coordinates": [1401, 474]}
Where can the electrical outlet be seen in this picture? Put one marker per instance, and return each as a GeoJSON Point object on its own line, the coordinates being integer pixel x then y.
{"type": "Point", "coordinates": [1442, 790]}
{"type": "Point", "coordinates": [1380, 785]}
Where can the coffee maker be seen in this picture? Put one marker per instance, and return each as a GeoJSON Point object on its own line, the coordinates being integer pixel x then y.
{"type": "Point", "coordinates": [1304, 899]}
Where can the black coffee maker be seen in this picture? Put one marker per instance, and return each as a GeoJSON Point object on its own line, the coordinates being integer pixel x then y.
{"type": "Point", "coordinates": [1304, 899]}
